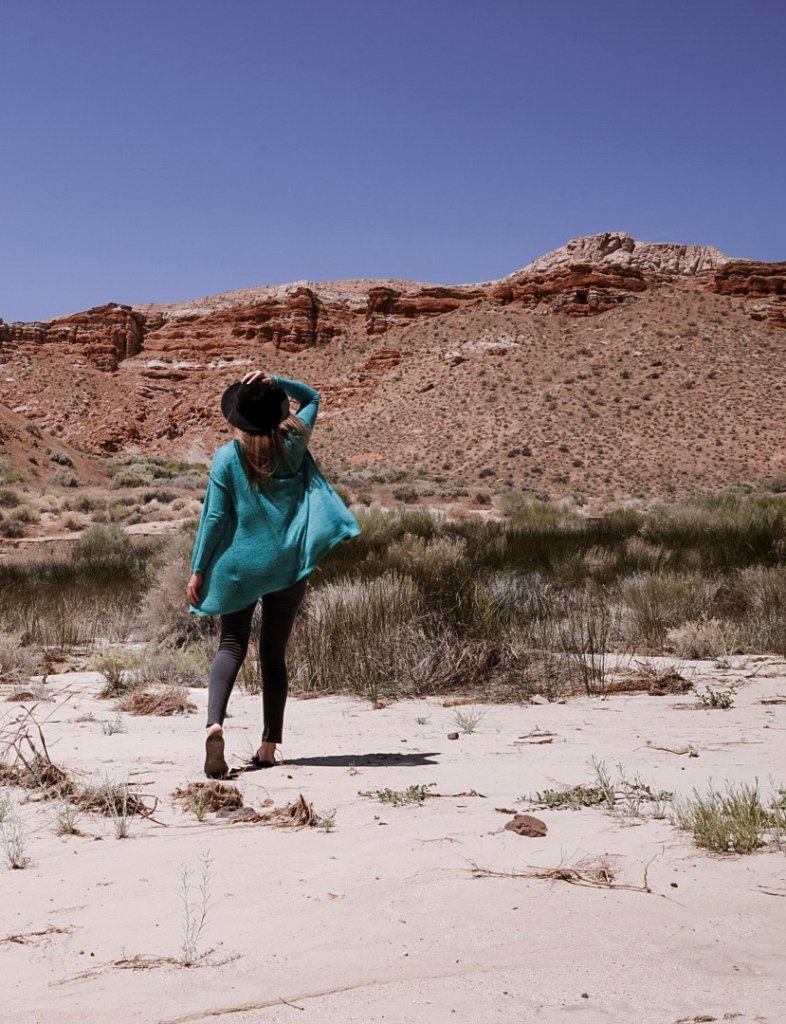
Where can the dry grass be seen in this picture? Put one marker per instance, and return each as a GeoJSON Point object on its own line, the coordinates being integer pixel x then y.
{"type": "Point", "coordinates": [201, 797]}
{"type": "Point", "coordinates": [157, 700]}
{"type": "Point", "coordinates": [296, 815]}
{"type": "Point", "coordinates": [25, 762]}
{"type": "Point", "coordinates": [589, 872]}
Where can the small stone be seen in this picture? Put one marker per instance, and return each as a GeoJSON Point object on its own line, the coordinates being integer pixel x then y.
{"type": "Point", "coordinates": [674, 885]}
{"type": "Point", "coordinates": [527, 825]}
{"type": "Point", "coordinates": [538, 698]}
{"type": "Point", "coordinates": [453, 735]}
{"type": "Point", "coordinates": [585, 995]}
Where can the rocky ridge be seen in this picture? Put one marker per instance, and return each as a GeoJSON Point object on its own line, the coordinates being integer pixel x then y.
{"type": "Point", "coordinates": [604, 335]}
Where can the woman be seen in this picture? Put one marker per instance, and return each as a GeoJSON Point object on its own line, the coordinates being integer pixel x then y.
{"type": "Point", "coordinates": [268, 518]}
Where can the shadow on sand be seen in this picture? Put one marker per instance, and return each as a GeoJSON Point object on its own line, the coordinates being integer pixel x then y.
{"type": "Point", "coordinates": [358, 761]}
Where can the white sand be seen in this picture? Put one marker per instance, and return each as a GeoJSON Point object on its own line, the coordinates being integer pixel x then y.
{"type": "Point", "coordinates": [382, 919]}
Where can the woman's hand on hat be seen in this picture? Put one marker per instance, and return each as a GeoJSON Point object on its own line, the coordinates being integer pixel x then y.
{"type": "Point", "coordinates": [195, 587]}
{"type": "Point", "coordinates": [258, 375]}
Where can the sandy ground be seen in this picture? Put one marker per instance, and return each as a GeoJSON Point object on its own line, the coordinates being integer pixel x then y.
{"type": "Point", "coordinates": [381, 919]}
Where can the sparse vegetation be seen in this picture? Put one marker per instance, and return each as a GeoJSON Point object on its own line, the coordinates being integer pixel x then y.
{"type": "Point", "coordinates": [415, 794]}
{"type": "Point", "coordinates": [732, 819]}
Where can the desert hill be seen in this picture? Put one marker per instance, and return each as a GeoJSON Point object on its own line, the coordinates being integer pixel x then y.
{"type": "Point", "coordinates": [608, 368]}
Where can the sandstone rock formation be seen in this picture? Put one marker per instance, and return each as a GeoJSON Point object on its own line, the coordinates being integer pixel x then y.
{"type": "Point", "coordinates": [104, 335]}
{"type": "Point", "coordinates": [763, 285]}
{"type": "Point", "coordinates": [608, 368]}
{"type": "Point", "coordinates": [619, 249]}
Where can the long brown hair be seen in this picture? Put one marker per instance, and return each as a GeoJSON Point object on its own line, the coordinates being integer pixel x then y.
{"type": "Point", "coordinates": [264, 453]}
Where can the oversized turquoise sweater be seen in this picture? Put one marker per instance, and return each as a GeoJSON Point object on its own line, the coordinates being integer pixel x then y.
{"type": "Point", "coordinates": [252, 541]}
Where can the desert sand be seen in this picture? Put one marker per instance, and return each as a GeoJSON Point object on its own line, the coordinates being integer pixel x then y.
{"type": "Point", "coordinates": [382, 918]}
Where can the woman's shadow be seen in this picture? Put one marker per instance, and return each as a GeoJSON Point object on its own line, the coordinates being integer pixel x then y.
{"type": "Point", "coordinates": [362, 760]}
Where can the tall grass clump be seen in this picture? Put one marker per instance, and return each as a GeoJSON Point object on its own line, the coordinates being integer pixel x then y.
{"type": "Point", "coordinates": [731, 820]}
{"type": "Point", "coordinates": [361, 637]}
{"type": "Point", "coordinates": [731, 529]}
{"type": "Point", "coordinates": [70, 602]}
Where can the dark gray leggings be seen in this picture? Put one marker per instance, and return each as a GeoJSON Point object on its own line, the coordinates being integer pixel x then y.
{"type": "Point", "coordinates": [278, 615]}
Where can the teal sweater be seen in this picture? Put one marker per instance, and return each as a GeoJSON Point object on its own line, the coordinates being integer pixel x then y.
{"type": "Point", "coordinates": [253, 541]}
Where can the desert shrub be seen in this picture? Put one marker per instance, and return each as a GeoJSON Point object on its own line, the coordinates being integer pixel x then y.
{"type": "Point", "coordinates": [17, 663]}
{"type": "Point", "coordinates": [133, 476]}
{"type": "Point", "coordinates": [726, 530]}
{"type": "Point", "coordinates": [358, 636]}
{"type": "Point", "coordinates": [759, 595]}
{"type": "Point", "coordinates": [117, 667]}
{"type": "Point", "coordinates": [658, 602]}
{"type": "Point", "coordinates": [9, 498]}
{"type": "Point", "coordinates": [587, 634]}
{"type": "Point", "coordinates": [68, 602]}
{"type": "Point", "coordinates": [161, 495]}
{"type": "Point", "coordinates": [704, 638]}
{"type": "Point", "coordinates": [186, 666]}
{"type": "Point", "coordinates": [61, 459]}
{"type": "Point", "coordinates": [64, 478]}
{"type": "Point", "coordinates": [165, 616]}
{"type": "Point", "coordinates": [108, 548]}
{"type": "Point", "coordinates": [732, 820]}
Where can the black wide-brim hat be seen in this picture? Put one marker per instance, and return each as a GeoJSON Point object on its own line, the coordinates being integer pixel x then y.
{"type": "Point", "coordinates": [256, 408]}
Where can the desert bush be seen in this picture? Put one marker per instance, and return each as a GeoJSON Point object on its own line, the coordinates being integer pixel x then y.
{"type": "Point", "coordinates": [69, 602]}
{"type": "Point", "coordinates": [759, 595]}
{"type": "Point", "coordinates": [704, 638]}
{"type": "Point", "coordinates": [588, 633]}
{"type": "Point", "coordinates": [358, 636]}
{"type": "Point", "coordinates": [108, 549]}
{"type": "Point", "coordinates": [9, 498]}
{"type": "Point", "coordinates": [118, 669]}
{"type": "Point", "coordinates": [185, 666]}
{"type": "Point", "coordinates": [731, 529]}
{"type": "Point", "coordinates": [65, 478]}
{"type": "Point", "coordinates": [658, 602]}
{"type": "Point", "coordinates": [165, 616]}
{"type": "Point", "coordinates": [731, 820]}
{"type": "Point", "coordinates": [16, 662]}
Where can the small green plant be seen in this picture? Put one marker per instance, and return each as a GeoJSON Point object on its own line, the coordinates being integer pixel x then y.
{"type": "Point", "coordinates": [117, 669]}
{"type": "Point", "coordinates": [421, 720]}
{"type": "Point", "coordinates": [622, 795]}
{"type": "Point", "coordinates": [5, 805]}
{"type": "Point", "coordinates": [723, 699]}
{"type": "Point", "coordinates": [731, 820]}
{"type": "Point", "coordinates": [467, 721]}
{"type": "Point", "coordinates": [572, 798]}
{"type": "Point", "coordinates": [195, 904]}
{"type": "Point", "coordinates": [400, 797]}
{"type": "Point", "coordinates": [14, 839]}
{"type": "Point", "coordinates": [201, 804]}
{"type": "Point", "coordinates": [327, 820]}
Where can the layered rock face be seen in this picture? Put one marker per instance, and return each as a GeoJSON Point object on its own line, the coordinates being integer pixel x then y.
{"type": "Point", "coordinates": [762, 285]}
{"type": "Point", "coordinates": [387, 307]}
{"type": "Point", "coordinates": [586, 277]}
{"type": "Point", "coordinates": [576, 290]}
{"type": "Point", "coordinates": [103, 335]}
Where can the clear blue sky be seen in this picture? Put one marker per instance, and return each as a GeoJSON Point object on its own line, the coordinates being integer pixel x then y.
{"type": "Point", "coordinates": [159, 150]}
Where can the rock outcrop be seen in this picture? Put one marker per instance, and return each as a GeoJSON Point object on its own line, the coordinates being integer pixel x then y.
{"type": "Point", "coordinates": [578, 290]}
{"type": "Point", "coordinates": [762, 285]}
{"type": "Point", "coordinates": [103, 335]}
{"type": "Point", "coordinates": [617, 248]}
{"type": "Point", "coordinates": [387, 307]}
